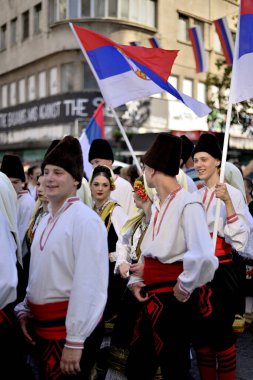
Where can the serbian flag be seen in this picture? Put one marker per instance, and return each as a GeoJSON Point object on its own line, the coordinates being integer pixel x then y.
{"type": "Point", "coordinates": [242, 78]}
{"type": "Point", "coordinates": [154, 42]}
{"type": "Point", "coordinates": [196, 39]}
{"type": "Point", "coordinates": [94, 130]}
{"type": "Point", "coordinates": [226, 39]}
{"type": "Point", "coordinates": [126, 73]}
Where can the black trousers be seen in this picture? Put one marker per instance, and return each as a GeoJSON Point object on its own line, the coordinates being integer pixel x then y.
{"type": "Point", "coordinates": [162, 338]}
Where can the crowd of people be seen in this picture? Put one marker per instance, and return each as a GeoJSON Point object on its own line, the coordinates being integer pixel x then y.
{"type": "Point", "coordinates": [124, 275]}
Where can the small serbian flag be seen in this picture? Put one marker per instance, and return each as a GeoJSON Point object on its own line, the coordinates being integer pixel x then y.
{"type": "Point", "coordinates": [134, 43]}
{"type": "Point", "coordinates": [94, 130]}
{"type": "Point", "coordinates": [242, 78]}
{"type": "Point", "coordinates": [125, 73]}
{"type": "Point", "coordinates": [154, 42]}
{"type": "Point", "coordinates": [196, 39]}
{"type": "Point", "coordinates": [226, 39]}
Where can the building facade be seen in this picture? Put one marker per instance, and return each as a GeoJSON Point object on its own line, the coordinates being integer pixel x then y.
{"type": "Point", "coordinates": [47, 89]}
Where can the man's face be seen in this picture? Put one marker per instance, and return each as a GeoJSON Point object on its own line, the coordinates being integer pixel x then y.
{"type": "Point", "coordinates": [59, 184]}
{"type": "Point", "coordinates": [101, 161]}
{"type": "Point", "coordinates": [17, 184]}
{"type": "Point", "coordinates": [149, 174]}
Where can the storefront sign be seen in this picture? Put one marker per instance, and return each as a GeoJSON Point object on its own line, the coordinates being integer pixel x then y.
{"type": "Point", "coordinates": [53, 110]}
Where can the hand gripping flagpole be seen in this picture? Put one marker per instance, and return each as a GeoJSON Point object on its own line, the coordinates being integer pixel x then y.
{"type": "Point", "coordinates": [113, 110]}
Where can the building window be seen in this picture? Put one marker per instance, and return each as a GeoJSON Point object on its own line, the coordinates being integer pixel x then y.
{"type": "Point", "coordinates": [25, 25]}
{"type": "Point", "coordinates": [67, 75]}
{"type": "Point", "coordinates": [31, 88]}
{"type": "Point", "coordinates": [21, 91]}
{"type": "Point", "coordinates": [3, 37]}
{"type": "Point", "coordinates": [13, 94]}
{"type": "Point", "coordinates": [53, 86]}
{"type": "Point", "coordinates": [143, 11]}
{"type": "Point", "coordinates": [42, 85]}
{"type": "Point", "coordinates": [188, 87]}
{"type": "Point", "coordinates": [201, 95]}
{"type": "Point", "coordinates": [37, 18]}
{"type": "Point", "coordinates": [89, 80]}
{"type": "Point", "coordinates": [173, 80]}
{"type": "Point", "coordinates": [183, 26]}
{"type": "Point", "coordinates": [4, 96]}
{"type": "Point", "coordinates": [124, 9]}
{"type": "Point", "coordinates": [86, 10]}
{"type": "Point", "coordinates": [112, 8]}
{"type": "Point", "coordinates": [202, 28]}
{"type": "Point", "coordinates": [13, 31]}
{"type": "Point", "coordinates": [99, 8]}
{"type": "Point", "coordinates": [62, 9]}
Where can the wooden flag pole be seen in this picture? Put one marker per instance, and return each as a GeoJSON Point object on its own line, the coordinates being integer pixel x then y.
{"type": "Point", "coordinates": [222, 171]}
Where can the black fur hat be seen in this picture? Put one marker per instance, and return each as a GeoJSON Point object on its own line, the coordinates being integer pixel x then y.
{"type": "Point", "coordinates": [187, 148]}
{"type": "Point", "coordinates": [13, 167]}
{"type": "Point", "coordinates": [165, 153]}
{"type": "Point", "coordinates": [100, 148]}
{"type": "Point", "coordinates": [67, 154]}
{"type": "Point", "coordinates": [208, 143]}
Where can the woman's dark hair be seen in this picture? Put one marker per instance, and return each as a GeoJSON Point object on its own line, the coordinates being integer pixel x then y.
{"type": "Point", "coordinates": [104, 171]}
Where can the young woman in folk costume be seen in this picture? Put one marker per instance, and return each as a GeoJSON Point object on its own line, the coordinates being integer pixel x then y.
{"type": "Point", "coordinates": [114, 217]}
{"type": "Point", "coordinates": [133, 236]}
{"type": "Point", "coordinates": [213, 338]}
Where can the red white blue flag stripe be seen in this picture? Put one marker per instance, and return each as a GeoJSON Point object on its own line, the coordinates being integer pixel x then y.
{"type": "Point", "coordinates": [226, 40]}
{"type": "Point", "coordinates": [242, 78]}
{"type": "Point", "coordinates": [125, 73]}
{"type": "Point", "coordinates": [154, 42]}
{"type": "Point", "coordinates": [196, 39]}
{"type": "Point", "coordinates": [95, 130]}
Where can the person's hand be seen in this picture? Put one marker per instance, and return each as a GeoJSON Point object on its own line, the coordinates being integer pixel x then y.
{"type": "Point", "coordinates": [137, 291]}
{"type": "Point", "coordinates": [180, 295]}
{"type": "Point", "coordinates": [221, 192]}
{"type": "Point", "coordinates": [137, 269]}
{"type": "Point", "coordinates": [24, 324]}
{"type": "Point", "coordinates": [70, 361]}
{"type": "Point", "coordinates": [124, 270]}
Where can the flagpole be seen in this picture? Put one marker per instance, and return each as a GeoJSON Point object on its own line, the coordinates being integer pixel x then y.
{"type": "Point", "coordinates": [126, 140]}
{"type": "Point", "coordinates": [222, 171]}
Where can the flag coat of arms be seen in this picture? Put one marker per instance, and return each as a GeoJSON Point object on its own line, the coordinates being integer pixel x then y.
{"type": "Point", "coordinates": [126, 73]}
{"type": "Point", "coordinates": [242, 78]}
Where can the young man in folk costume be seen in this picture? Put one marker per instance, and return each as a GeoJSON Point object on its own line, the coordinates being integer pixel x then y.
{"type": "Point", "coordinates": [101, 153]}
{"type": "Point", "coordinates": [214, 339]}
{"type": "Point", "coordinates": [68, 276]}
{"type": "Point", "coordinates": [179, 259]}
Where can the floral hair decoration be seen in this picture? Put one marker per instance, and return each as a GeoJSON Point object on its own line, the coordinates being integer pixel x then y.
{"type": "Point", "coordinates": [140, 190]}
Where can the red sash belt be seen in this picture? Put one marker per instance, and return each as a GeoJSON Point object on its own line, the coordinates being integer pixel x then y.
{"type": "Point", "coordinates": [50, 319]}
{"type": "Point", "coordinates": [161, 277]}
{"type": "Point", "coordinates": [223, 250]}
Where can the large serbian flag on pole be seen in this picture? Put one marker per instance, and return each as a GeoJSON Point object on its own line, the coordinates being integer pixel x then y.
{"type": "Point", "coordinates": [226, 39]}
{"type": "Point", "coordinates": [242, 77]}
{"type": "Point", "coordinates": [126, 73]}
{"type": "Point", "coordinates": [94, 130]}
{"type": "Point", "coordinates": [196, 38]}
